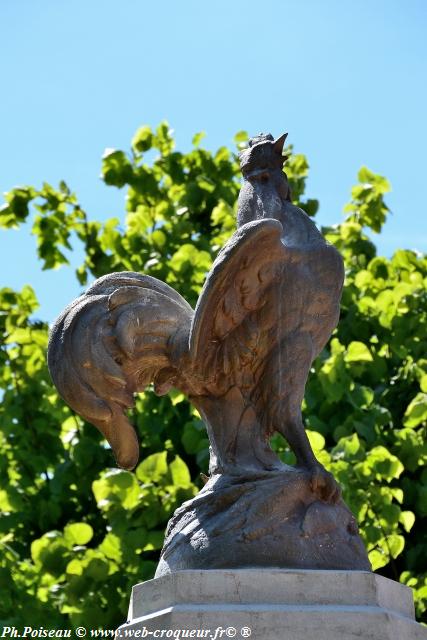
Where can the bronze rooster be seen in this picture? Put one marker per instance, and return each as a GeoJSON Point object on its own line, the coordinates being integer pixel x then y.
{"type": "Point", "coordinates": [268, 307]}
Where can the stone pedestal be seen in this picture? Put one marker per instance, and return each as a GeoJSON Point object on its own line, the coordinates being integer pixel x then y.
{"type": "Point", "coordinates": [272, 604]}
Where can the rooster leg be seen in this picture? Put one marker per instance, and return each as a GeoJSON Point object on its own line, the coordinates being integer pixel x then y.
{"type": "Point", "coordinates": [322, 482]}
{"type": "Point", "coordinates": [286, 414]}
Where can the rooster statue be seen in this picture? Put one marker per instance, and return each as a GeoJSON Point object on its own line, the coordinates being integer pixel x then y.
{"type": "Point", "coordinates": [267, 309]}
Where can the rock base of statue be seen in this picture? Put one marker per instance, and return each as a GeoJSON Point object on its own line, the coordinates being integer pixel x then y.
{"type": "Point", "coordinates": [268, 519]}
{"type": "Point", "coordinates": [272, 604]}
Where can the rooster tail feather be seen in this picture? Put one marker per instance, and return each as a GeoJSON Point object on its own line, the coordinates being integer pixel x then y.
{"type": "Point", "coordinates": [110, 343]}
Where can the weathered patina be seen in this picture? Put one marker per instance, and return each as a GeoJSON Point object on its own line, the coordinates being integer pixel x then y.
{"type": "Point", "coordinates": [267, 309]}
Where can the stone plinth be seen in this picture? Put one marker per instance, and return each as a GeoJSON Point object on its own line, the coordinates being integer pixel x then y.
{"type": "Point", "coordinates": [273, 604]}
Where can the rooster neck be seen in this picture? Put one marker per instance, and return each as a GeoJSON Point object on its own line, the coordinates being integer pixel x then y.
{"type": "Point", "coordinates": [298, 228]}
{"type": "Point", "coordinates": [258, 200]}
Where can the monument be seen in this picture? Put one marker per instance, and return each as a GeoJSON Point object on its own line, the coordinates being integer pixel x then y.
{"type": "Point", "coordinates": [267, 309]}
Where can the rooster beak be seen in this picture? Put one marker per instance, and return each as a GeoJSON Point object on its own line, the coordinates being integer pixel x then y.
{"type": "Point", "coordinates": [279, 143]}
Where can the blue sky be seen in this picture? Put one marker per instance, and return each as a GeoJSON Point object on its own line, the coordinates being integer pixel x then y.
{"type": "Point", "coordinates": [346, 79]}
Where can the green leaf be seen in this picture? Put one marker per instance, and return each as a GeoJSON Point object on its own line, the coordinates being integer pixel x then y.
{"type": "Point", "coordinates": [316, 439]}
{"type": "Point", "coordinates": [358, 352]}
{"type": "Point", "coordinates": [16, 209]}
{"type": "Point", "coordinates": [153, 468]}
{"type": "Point", "coordinates": [206, 184]}
{"type": "Point", "coordinates": [159, 238]}
{"type": "Point", "coordinates": [75, 567]}
{"type": "Point", "coordinates": [111, 547]}
{"type": "Point", "coordinates": [176, 397]}
{"type": "Point", "coordinates": [78, 533]}
{"type": "Point", "coordinates": [396, 544]}
{"type": "Point", "coordinates": [197, 138]}
{"type": "Point", "coordinates": [116, 168]}
{"type": "Point", "coordinates": [180, 474]}
{"type": "Point", "coordinates": [361, 396]}
{"type": "Point", "coordinates": [163, 139]}
{"type": "Point", "coordinates": [97, 569]}
{"type": "Point", "coordinates": [407, 518]}
{"type": "Point", "coordinates": [416, 412]}
{"type": "Point", "coordinates": [384, 463]}
{"type": "Point", "coordinates": [241, 137]}
{"type": "Point", "coordinates": [116, 487]}
{"type": "Point", "coordinates": [142, 140]}
{"type": "Point", "coordinates": [377, 559]}
{"type": "Point", "coordinates": [349, 446]}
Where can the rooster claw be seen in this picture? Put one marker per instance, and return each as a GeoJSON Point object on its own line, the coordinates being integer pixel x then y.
{"type": "Point", "coordinates": [324, 485]}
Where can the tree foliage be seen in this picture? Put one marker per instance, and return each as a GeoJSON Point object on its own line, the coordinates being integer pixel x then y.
{"type": "Point", "coordinates": [75, 532]}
